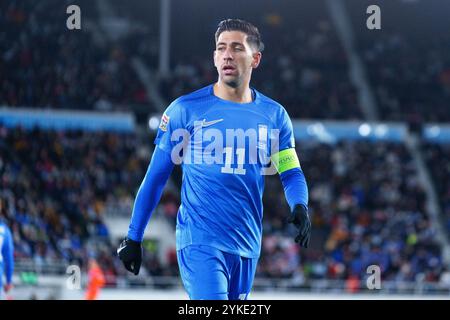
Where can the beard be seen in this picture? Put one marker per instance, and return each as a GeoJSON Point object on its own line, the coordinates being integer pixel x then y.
{"type": "Point", "coordinates": [232, 82]}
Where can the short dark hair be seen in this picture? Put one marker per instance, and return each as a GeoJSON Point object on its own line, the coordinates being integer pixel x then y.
{"type": "Point", "coordinates": [252, 32]}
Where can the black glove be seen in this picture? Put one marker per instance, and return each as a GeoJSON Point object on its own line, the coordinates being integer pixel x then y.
{"type": "Point", "coordinates": [130, 252]}
{"type": "Point", "coordinates": [300, 219]}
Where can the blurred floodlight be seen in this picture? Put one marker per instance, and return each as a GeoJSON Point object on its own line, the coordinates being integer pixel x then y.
{"type": "Point", "coordinates": [381, 130]}
{"type": "Point", "coordinates": [319, 131]}
{"type": "Point", "coordinates": [153, 123]}
{"type": "Point", "coordinates": [434, 131]}
{"type": "Point", "coordinates": [364, 129]}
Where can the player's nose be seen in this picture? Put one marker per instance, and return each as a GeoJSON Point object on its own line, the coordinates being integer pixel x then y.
{"type": "Point", "coordinates": [227, 55]}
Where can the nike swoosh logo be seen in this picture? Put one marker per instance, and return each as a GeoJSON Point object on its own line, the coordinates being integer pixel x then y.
{"type": "Point", "coordinates": [210, 123]}
{"type": "Point", "coordinates": [120, 249]}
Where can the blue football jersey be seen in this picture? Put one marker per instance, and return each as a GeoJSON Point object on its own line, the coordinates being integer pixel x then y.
{"type": "Point", "coordinates": [224, 149]}
{"type": "Point", "coordinates": [6, 254]}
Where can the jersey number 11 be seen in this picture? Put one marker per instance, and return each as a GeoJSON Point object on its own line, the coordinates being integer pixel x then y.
{"type": "Point", "coordinates": [240, 152]}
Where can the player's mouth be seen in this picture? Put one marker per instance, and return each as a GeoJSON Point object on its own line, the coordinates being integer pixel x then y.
{"type": "Point", "coordinates": [229, 69]}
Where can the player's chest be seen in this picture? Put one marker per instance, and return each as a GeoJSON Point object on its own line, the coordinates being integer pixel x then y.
{"type": "Point", "coordinates": [233, 132]}
{"type": "Point", "coordinates": [230, 120]}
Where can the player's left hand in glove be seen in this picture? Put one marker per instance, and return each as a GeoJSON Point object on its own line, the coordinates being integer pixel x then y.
{"type": "Point", "coordinates": [130, 252]}
{"type": "Point", "coordinates": [300, 219]}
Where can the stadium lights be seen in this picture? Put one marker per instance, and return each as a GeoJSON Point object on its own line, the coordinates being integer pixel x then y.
{"type": "Point", "coordinates": [381, 130]}
{"type": "Point", "coordinates": [434, 131]}
{"type": "Point", "coordinates": [364, 129]}
{"type": "Point", "coordinates": [153, 123]}
{"type": "Point", "coordinates": [316, 129]}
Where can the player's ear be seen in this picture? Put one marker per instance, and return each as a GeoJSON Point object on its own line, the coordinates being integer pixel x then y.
{"type": "Point", "coordinates": [256, 59]}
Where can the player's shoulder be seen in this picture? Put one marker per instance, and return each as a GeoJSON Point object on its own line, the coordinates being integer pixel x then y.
{"type": "Point", "coordinates": [184, 106]}
{"type": "Point", "coordinates": [273, 107]}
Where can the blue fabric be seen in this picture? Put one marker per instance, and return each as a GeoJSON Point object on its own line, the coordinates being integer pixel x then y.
{"type": "Point", "coordinates": [295, 187]}
{"type": "Point", "coordinates": [7, 254]}
{"type": "Point", "coordinates": [149, 193]}
{"type": "Point", "coordinates": [221, 205]}
{"type": "Point", "coordinates": [210, 274]}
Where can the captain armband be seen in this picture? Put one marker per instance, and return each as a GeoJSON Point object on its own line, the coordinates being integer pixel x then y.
{"type": "Point", "coordinates": [285, 160]}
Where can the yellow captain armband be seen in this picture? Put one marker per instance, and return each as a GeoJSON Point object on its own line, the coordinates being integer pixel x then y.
{"type": "Point", "coordinates": [285, 160]}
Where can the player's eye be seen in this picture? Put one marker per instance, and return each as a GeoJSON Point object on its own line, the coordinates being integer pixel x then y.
{"type": "Point", "coordinates": [220, 48]}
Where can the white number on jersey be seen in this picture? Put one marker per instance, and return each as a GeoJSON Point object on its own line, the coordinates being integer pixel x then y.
{"type": "Point", "coordinates": [240, 152]}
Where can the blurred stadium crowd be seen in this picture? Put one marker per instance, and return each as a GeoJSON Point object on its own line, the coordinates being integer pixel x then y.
{"type": "Point", "coordinates": [366, 200]}
{"type": "Point", "coordinates": [44, 66]}
{"type": "Point", "coordinates": [368, 207]}
{"type": "Point", "coordinates": [56, 186]}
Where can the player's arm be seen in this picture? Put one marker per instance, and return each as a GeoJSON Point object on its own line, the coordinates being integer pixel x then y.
{"type": "Point", "coordinates": [294, 183]}
{"type": "Point", "coordinates": [8, 255]}
{"type": "Point", "coordinates": [147, 198]}
{"type": "Point", "coordinates": [296, 192]}
{"type": "Point", "coordinates": [158, 172]}
{"type": "Point", "coordinates": [150, 192]}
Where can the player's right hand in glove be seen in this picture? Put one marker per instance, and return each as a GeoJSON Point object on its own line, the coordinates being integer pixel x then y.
{"type": "Point", "coordinates": [300, 218]}
{"type": "Point", "coordinates": [130, 252]}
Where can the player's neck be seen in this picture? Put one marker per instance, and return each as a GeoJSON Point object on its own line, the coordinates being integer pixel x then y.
{"type": "Point", "coordinates": [240, 95]}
